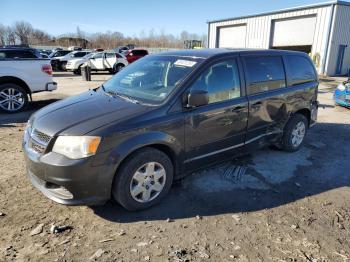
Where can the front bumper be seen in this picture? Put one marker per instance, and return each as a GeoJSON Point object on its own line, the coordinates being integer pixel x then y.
{"type": "Point", "coordinates": [67, 181]}
{"type": "Point", "coordinates": [342, 97]}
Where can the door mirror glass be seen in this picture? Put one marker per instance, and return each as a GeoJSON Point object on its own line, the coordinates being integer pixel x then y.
{"type": "Point", "coordinates": [197, 98]}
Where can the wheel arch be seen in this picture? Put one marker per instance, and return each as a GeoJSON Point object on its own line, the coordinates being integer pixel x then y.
{"type": "Point", "coordinates": [156, 140]}
{"type": "Point", "coordinates": [15, 80]}
{"type": "Point", "coordinates": [305, 112]}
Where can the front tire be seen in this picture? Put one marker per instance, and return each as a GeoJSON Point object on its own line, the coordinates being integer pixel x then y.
{"type": "Point", "coordinates": [294, 133]}
{"type": "Point", "coordinates": [143, 180]}
{"type": "Point", "coordinates": [13, 98]}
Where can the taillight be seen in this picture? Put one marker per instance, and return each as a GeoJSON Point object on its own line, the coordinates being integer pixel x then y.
{"type": "Point", "coordinates": [47, 69]}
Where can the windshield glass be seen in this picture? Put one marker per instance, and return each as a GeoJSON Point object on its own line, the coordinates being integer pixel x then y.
{"type": "Point", "coordinates": [150, 80]}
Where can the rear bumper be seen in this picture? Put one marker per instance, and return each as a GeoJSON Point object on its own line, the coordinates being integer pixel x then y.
{"type": "Point", "coordinates": [51, 86]}
{"type": "Point", "coordinates": [67, 181]}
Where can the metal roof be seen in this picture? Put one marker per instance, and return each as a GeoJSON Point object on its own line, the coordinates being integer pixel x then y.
{"type": "Point", "coordinates": [336, 2]}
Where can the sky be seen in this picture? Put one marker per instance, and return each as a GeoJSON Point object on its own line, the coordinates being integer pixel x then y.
{"type": "Point", "coordinates": [58, 17]}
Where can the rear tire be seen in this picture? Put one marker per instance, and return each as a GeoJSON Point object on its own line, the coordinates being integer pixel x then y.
{"type": "Point", "coordinates": [143, 180]}
{"type": "Point", "coordinates": [117, 68]}
{"type": "Point", "coordinates": [77, 71]}
{"type": "Point", "coordinates": [294, 133]}
{"type": "Point", "coordinates": [13, 98]}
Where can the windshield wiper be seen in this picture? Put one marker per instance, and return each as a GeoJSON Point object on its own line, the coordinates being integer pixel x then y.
{"type": "Point", "coordinates": [126, 97]}
{"type": "Point", "coordinates": [123, 96]}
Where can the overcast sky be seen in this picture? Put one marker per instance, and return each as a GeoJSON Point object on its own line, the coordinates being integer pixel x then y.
{"type": "Point", "coordinates": [131, 17]}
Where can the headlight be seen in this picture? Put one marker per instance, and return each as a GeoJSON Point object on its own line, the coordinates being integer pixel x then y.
{"type": "Point", "coordinates": [341, 87]}
{"type": "Point", "coordinates": [76, 147]}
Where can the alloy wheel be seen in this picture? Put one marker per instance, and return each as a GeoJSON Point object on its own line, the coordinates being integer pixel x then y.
{"type": "Point", "coordinates": [298, 133]}
{"type": "Point", "coordinates": [11, 99]}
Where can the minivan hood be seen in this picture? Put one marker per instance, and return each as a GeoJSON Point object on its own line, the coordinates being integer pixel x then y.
{"type": "Point", "coordinates": [83, 113]}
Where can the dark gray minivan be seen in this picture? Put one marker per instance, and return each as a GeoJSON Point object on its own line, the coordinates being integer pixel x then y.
{"type": "Point", "coordinates": [165, 116]}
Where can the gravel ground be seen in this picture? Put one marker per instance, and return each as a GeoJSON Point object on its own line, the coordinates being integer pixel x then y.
{"type": "Point", "coordinates": [276, 207]}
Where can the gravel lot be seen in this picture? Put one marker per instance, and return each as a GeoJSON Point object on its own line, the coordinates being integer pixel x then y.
{"type": "Point", "coordinates": [281, 206]}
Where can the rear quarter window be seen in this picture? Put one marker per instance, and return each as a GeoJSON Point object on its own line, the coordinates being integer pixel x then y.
{"type": "Point", "coordinates": [300, 70]}
{"type": "Point", "coordinates": [264, 73]}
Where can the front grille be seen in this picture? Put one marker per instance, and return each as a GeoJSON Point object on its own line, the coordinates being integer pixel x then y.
{"type": "Point", "coordinates": [41, 137]}
{"type": "Point", "coordinates": [36, 147]}
{"type": "Point", "coordinates": [38, 141]}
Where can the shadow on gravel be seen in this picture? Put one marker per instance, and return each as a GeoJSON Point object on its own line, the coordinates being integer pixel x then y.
{"type": "Point", "coordinates": [7, 119]}
{"type": "Point", "coordinates": [65, 74]}
{"type": "Point", "coordinates": [270, 179]}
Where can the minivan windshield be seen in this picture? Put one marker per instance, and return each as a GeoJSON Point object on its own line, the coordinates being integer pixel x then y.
{"type": "Point", "coordinates": [151, 79]}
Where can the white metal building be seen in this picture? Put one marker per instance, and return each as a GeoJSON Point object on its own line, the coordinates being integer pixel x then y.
{"type": "Point", "coordinates": [322, 30]}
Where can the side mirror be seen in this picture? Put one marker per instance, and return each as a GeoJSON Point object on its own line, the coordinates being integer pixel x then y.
{"type": "Point", "coordinates": [197, 98]}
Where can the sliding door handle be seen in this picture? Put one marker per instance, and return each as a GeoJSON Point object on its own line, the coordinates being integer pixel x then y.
{"type": "Point", "coordinates": [238, 109]}
{"type": "Point", "coordinates": [256, 105]}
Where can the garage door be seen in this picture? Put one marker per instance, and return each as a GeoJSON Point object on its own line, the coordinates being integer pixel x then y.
{"type": "Point", "coordinates": [294, 32]}
{"type": "Point", "coordinates": [232, 37]}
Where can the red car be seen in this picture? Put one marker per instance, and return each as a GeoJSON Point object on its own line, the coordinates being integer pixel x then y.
{"type": "Point", "coordinates": [135, 54]}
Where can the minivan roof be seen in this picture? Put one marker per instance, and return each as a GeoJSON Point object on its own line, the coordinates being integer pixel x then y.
{"type": "Point", "coordinates": [207, 53]}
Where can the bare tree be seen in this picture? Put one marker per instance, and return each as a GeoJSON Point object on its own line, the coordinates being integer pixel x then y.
{"type": "Point", "coordinates": [23, 30]}
{"type": "Point", "coordinates": [39, 37]}
{"type": "Point", "coordinates": [10, 36]}
{"type": "Point", "coordinates": [2, 34]}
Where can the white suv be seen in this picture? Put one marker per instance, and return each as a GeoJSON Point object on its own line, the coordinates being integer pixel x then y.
{"type": "Point", "coordinates": [107, 61]}
{"type": "Point", "coordinates": [75, 64]}
{"type": "Point", "coordinates": [60, 62]}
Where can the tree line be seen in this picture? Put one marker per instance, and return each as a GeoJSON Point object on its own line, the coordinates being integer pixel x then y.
{"type": "Point", "coordinates": [24, 33]}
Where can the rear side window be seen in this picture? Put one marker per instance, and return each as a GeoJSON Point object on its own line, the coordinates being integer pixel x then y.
{"type": "Point", "coordinates": [110, 55]}
{"type": "Point", "coordinates": [139, 52]}
{"type": "Point", "coordinates": [264, 73]}
{"type": "Point", "coordinates": [79, 54]}
{"type": "Point", "coordinates": [300, 69]}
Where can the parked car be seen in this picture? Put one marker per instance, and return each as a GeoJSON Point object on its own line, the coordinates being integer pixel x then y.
{"type": "Point", "coordinates": [75, 48]}
{"type": "Point", "coordinates": [98, 50]}
{"type": "Point", "coordinates": [74, 65]}
{"type": "Point", "coordinates": [165, 116]}
{"type": "Point", "coordinates": [107, 61]}
{"type": "Point", "coordinates": [121, 49]}
{"type": "Point", "coordinates": [342, 94]}
{"type": "Point", "coordinates": [18, 51]}
{"type": "Point", "coordinates": [55, 56]}
{"type": "Point", "coordinates": [59, 53]}
{"type": "Point", "coordinates": [135, 54]}
{"type": "Point", "coordinates": [22, 73]}
{"type": "Point", "coordinates": [59, 63]}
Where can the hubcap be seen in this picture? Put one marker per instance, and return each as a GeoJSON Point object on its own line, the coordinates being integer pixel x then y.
{"type": "Point", "coordinates": [298, 134]}
{"type": "Point", "coordinates": [11, 99]}
{"type": "Point", "coordinates": [147, 182]}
